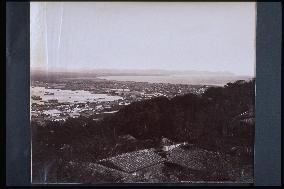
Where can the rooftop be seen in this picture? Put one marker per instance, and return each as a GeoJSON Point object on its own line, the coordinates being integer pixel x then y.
{"type": "Point", "coordinates": [134, 161]}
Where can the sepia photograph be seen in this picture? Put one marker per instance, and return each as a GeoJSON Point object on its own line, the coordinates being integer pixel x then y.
{"type": "Point", "coordinates": [142, 92]}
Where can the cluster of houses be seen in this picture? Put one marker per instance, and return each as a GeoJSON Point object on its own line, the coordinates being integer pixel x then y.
{"type": "Point", "coordinates": [53, 111]}
{"type": "Point", "coordinates": [149, 165]}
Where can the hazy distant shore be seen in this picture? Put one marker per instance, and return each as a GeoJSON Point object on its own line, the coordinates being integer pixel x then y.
{"type": "Point", "coordinates": [178, 79]}
{"type": "Point", "coordinates": [151, 76]}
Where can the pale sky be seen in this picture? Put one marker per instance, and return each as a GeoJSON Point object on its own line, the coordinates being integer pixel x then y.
{"type": "Point", "coordinates": [70, 36]}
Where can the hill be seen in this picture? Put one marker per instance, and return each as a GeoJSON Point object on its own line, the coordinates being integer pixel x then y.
{"type": "Point", "coordinates": [221, 120]}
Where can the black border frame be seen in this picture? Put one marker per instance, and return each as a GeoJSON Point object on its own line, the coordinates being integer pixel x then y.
{"type": "Point", "coordinates": [268, 97]}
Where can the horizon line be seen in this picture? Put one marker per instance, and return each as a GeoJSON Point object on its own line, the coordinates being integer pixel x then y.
{"type": "Point", "coordinates": [130, 69]}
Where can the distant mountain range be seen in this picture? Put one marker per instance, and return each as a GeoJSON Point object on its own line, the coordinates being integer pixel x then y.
{"type": "Point", "coordinates": [159, 76]}
{"type": "Point", "coordinates": [134, 72]}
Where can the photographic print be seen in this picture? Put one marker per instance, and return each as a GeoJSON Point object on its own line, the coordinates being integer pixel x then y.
{"type": "Point", "coordinates": [142, 92]}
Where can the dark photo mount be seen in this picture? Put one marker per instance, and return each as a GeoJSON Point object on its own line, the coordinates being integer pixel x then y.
{"type": "Point", "coordinates": [17, 94]}
{"type": "Point", "coordinates": [268, 81]}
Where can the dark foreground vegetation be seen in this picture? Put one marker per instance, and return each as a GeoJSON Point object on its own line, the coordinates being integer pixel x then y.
{"type": "Point", "coordinates": [221, 121]}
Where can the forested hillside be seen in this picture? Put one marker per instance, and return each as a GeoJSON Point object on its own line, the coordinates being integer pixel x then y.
{"type": "Point", "coordinates": [220, 120]}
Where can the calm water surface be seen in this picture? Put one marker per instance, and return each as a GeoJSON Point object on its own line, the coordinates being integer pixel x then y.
{"type": "Point", "coordinates": [179, 79]}
{"type": "Point", "coordinates": [79, 96]}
